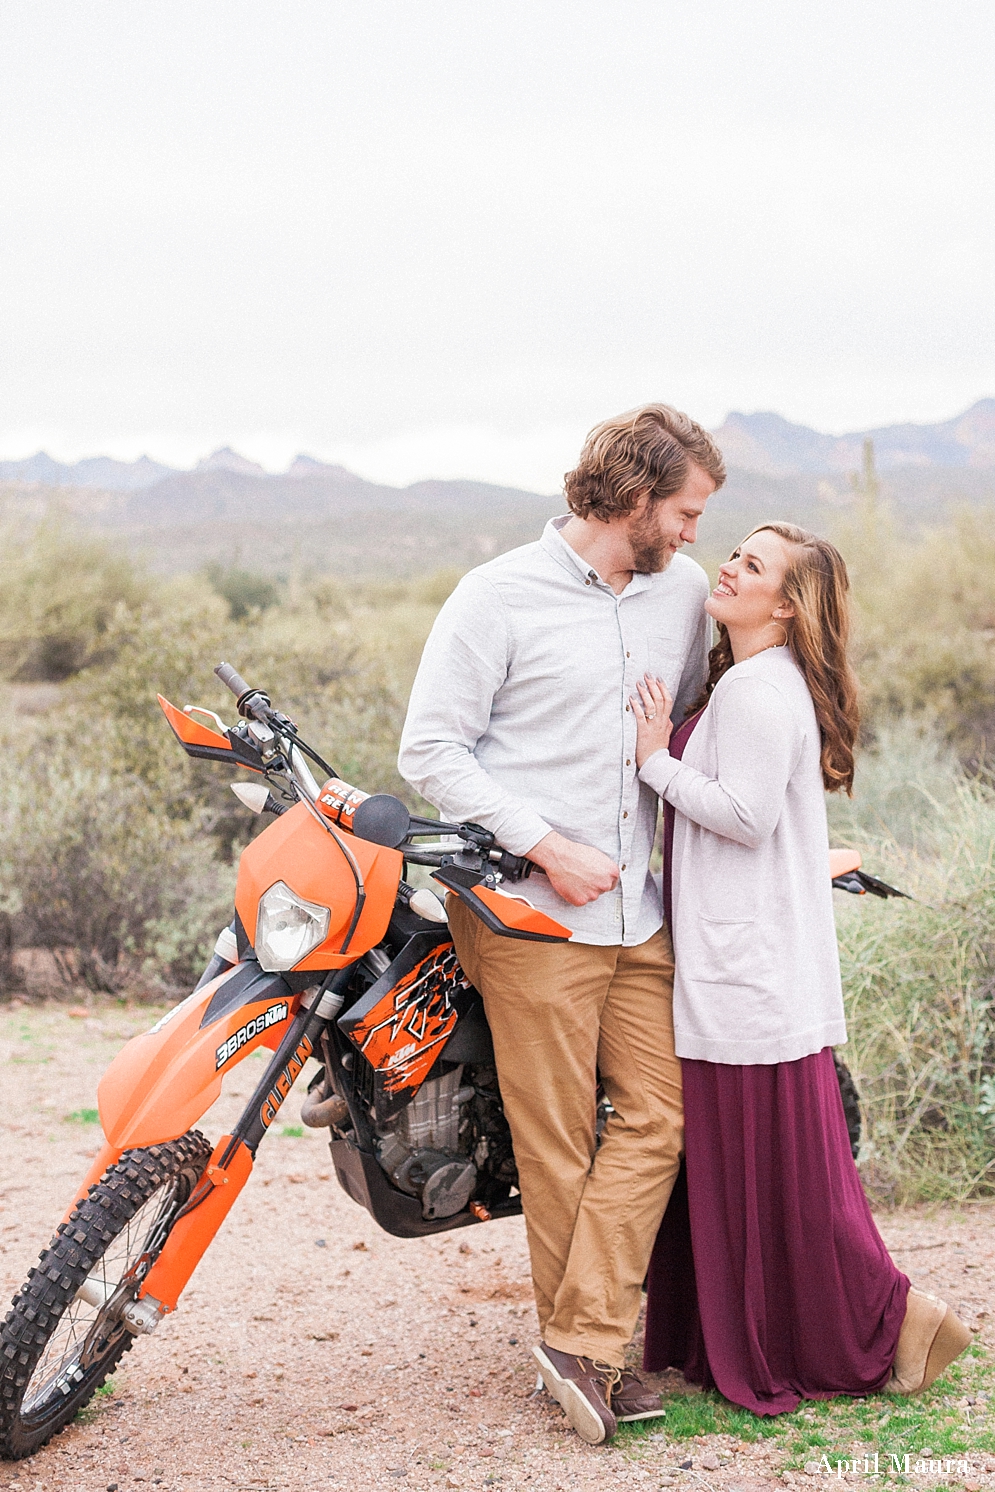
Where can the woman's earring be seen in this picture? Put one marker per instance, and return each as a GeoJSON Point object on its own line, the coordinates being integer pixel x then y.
{"type": "Point", "coordinates": [774, 618]}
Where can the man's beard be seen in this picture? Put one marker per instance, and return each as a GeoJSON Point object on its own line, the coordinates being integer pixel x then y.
{"type": "Point", "coordinates": [650, 552]}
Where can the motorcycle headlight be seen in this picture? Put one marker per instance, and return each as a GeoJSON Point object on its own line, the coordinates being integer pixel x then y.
{"type": "Point", "coordinates": [288, 928]}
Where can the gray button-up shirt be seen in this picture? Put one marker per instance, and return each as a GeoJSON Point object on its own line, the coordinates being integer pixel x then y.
{"type": "Point", "coordinates": [519, 717]}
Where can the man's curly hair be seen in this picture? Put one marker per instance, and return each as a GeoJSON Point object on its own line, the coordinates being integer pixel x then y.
{"type": "Point", "coordinates": [651, 448]}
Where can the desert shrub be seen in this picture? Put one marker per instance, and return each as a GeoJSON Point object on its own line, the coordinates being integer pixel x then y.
{"type": "Point", "coordinates": [316, 664]}
{"type": "Point", "coordinates": [93, 873]}
{"type": "Point", "coordinates": [117, 849]}
{"type": "Point", "coordinates": [242, 590]}
{"type": "Point", "coordinates": [59, 593]}
{"type": "Point", "coordinates": [919, 976]}
{"type": "Point", "coordinates": [926, 625]}
{"type": "Point", "coordinates": [434, 589]}
{"type": "Point", "coordinates": [908, 782]}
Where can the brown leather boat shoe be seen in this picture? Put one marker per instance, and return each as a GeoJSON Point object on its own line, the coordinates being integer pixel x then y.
{"type": "Point", "coordinates": [930, 1338]}
{"type": "Point", "coordinates": [583, 1388]}
{"type": "Point", "coordinates": [632, 1400]}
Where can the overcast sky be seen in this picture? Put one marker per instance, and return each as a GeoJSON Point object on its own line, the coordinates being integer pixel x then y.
{"type": "Point", "coordinates": [443, 237]}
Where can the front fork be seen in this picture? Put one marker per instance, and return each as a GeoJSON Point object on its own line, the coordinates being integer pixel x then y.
{"type": "Point", "coordinates": [199, 1219]}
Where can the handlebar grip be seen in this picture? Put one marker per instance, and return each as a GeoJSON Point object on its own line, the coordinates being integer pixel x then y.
{"type": "Point", "coordinates": [232, 679]}
{"type": "Point", "coordinates": [516, 867]}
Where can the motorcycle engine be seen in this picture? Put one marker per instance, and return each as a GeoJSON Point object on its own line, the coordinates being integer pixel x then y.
{"type": "Point", "coordinates": [420, 1148]}
{"type": "Point", "coordinates": [450, 1145]}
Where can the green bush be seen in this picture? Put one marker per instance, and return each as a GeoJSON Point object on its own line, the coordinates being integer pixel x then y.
{"type": "Point", "coordinates": [919, 976]}
{"type": "Point", "coordinates": [117, 849]}
{"type": "Point", "coordinates": [59, 594]}
{"type": "Point", "coordinates": [316, 664]}
{"type": "Point", "coordinates": [925, 608]}
{"type": "Point", "coordinates": [105, 882]}
{"type": "Point", "coordinates": [243, 591]}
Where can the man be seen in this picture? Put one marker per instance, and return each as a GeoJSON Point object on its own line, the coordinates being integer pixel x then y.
{"type": "Point", "coordinates": [520, 720]}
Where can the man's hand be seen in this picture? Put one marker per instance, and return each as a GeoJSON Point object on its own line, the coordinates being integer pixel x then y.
{"type": "Point", "coordinates": [576, 872]}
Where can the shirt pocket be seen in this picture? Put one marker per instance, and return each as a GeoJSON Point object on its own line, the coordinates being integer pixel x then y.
{"type": "Point", "coordinates": [665, 657]}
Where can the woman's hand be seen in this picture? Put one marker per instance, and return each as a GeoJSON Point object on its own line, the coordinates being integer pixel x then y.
{"type": "Point", "coordinates": [653, 723]}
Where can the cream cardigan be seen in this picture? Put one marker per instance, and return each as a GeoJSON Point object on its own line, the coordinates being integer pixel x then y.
{"type": "Point", "coordinates": [758, 978]}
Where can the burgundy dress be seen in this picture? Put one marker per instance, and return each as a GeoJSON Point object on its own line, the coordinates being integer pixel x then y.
{"type": "Point", "coordinates": [769, 1280]}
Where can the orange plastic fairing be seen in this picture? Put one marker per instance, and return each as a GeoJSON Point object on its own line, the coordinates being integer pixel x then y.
{"type": "Point", "coordinates": [161, 1082]}
{"type": "Point", "coordinates": [191, 1235]}
{"type": "Point", "coordinates": [842, 862]}
{"type": "Point", "coordinates": [404, 1032]}
{"type": "Point", "coordinates": [516, 912]}
{"type": "Point", "coordinates": [191, 732]}
{"type": "Point", "coordinates": [305, 856]}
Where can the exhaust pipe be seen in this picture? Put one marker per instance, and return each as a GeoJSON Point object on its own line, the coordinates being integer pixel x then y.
{"type": "Point", "coordinates": [318, 1112]}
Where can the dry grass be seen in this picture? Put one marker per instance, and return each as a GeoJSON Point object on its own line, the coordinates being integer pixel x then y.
{"type": "Point", "coordinates": [919, 976]}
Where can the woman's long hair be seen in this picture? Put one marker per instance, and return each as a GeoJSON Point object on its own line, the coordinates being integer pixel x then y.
{"type": "Point", "coordinates": [818, 587]}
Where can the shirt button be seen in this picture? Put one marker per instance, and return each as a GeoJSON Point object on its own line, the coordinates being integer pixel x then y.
{"type": "Point", "coordinates": [627, 709]}
{"type": "Point", "coordinates": [628, 761]}
{"type": "Point", "coordinates": [625, 815]}
{"type": "Point", "coordinates": [587, 582]}
{"type": "Point", "coordinates": [628, 655]}
{"type": "Point", "coordinates": [621, 867]}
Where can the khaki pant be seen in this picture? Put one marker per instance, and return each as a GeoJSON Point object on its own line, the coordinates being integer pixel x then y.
{"type": "Point", "coordinates": [560, 1014]}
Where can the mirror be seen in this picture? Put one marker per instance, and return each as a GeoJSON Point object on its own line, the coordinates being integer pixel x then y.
{"type": "Point", "coordinates": [382, 819]}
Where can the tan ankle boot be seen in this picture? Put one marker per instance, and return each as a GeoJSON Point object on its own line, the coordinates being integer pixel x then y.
{"type": "Point", "coordinates": [930, 1338]}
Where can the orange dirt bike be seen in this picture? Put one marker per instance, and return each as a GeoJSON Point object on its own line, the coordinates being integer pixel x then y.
{"type": "Point", "coordinates": [331, 955]}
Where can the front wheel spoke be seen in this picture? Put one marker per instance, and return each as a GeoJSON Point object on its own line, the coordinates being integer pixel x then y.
{"type": "Point", "coordinates": [81, 1338]}
{"type": "Point", "coordinates": [71, 1327]}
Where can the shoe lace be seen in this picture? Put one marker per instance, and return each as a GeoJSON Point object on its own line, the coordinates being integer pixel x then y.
{"type": "Point", "coordinates": [612, 1378]}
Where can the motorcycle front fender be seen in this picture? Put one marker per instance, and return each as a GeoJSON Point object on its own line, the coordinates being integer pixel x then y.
{"type": "Point", "coordinates": [163, 1081]}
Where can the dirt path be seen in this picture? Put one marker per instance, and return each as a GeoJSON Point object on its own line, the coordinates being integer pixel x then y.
{"type": "Point", "coordinates": [314, 1351]}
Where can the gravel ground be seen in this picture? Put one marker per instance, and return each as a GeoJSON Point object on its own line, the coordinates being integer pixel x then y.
{"type": "Point", "coordinates": [311, 1350]}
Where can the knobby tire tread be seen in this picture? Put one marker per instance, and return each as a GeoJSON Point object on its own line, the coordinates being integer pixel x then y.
{"type": "Point", "coordinates": [52, 1284]}
{"type": "Point", "coordinates": [851, 1104]}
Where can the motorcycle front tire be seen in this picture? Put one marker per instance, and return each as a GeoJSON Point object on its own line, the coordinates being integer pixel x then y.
{"type": "Point", "coordinates": [56, 1346]}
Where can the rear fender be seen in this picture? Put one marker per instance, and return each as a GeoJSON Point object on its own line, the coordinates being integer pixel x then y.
{"type": "Point", "coordinates": [161, 1082]}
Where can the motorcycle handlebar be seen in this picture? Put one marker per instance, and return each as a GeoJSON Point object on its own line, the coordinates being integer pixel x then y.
{"type": "Point", "coordinates": [253, 704]}
{"type": "Point", "coordinates": [232, 679]}
{"type": "Point", "coordinates": [515, 867]}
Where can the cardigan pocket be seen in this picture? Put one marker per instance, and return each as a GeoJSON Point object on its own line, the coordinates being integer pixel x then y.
{"type": "Point", "coordinates": [725, 879]}
{"type": "Point", "coordinates": [728, 952]}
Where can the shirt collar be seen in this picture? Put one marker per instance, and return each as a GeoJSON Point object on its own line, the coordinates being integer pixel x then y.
{"type": "Point", "coordinates": [556, 545]}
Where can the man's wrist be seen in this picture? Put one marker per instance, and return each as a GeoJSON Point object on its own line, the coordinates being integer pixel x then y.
{"type": "Point", "coordinates": [546, 851]}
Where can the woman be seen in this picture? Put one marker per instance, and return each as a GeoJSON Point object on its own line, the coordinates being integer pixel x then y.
{"type": "Point", "coordinates": [769, 1279]}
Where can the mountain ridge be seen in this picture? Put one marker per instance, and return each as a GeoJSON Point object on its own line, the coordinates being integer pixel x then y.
{"type": "Point", "coordinates": [773, 446]}
{"type": "Point", "coordinates": [764, 442]}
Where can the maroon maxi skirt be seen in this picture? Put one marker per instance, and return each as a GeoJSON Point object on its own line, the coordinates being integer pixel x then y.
{"type": "Point", "coordinates": [769, 1280]}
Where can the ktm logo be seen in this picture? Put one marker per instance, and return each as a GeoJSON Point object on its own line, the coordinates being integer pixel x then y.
{"type": "Point", "coordinates": [269, 1017]}
{"type": "Point", "coordinates": [274, 1098]}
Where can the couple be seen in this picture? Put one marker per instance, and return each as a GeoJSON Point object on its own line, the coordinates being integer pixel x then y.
{"type": "Point", "coordinates": [543, 710]}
